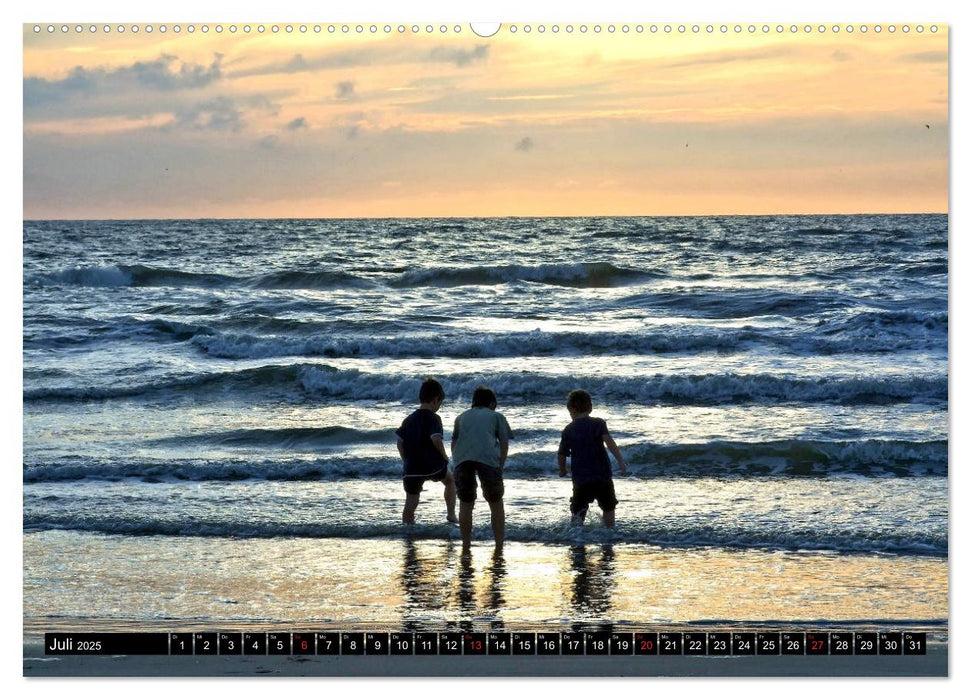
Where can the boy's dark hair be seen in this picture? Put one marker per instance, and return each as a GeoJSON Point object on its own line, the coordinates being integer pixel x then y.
{"type": "Point", "coordinates": [579, 401]}
{"type": "Point", "coordinates": [483, 396]}
{"type": "Point", "coordinates": [430, 390]}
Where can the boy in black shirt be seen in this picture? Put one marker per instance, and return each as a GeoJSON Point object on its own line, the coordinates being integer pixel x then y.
{"type": "Point", "coordinates": [422, 451]}
{"type": "Point", "coordinates": [583, 441]}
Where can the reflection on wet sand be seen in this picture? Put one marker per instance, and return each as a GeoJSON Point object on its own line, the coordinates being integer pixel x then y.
{"type": "Point", "coordinates": [437, 579]}
{"type": "Point", "coordinates": [425, 581]}
{"type": "Point", "coordinates": [593, 582]}
{"type": "Point", "coordinates": [490, 602]}
{"type": "Point", "coordinates": [426, 584]}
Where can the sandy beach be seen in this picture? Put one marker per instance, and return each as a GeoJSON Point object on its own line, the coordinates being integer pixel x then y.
{"type": "Point", "coordinates": [422, 585]}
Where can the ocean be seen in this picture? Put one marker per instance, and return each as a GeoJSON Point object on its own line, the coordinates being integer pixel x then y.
{"type": "Point", "coordinates": [210, 406]}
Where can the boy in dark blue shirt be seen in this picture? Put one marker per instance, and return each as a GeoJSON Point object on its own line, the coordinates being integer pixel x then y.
{"type": "Point", "coordinates": [422, 451]}
{"type": "Point", "coordinates": [584, 441]}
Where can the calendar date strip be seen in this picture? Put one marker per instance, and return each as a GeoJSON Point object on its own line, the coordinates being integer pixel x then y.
{"type": "Point", "coordinates": [695, 643]}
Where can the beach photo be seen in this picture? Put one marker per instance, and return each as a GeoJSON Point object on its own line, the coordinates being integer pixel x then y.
{"type": "Point", "coordinates": [630, 331]}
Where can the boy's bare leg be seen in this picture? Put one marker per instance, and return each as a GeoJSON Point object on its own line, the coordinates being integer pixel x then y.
{"type": "Point", "coordinates": [608, 518]}
{"type": "Point", "coordinates": [449, 482]}
{"type": "Point", "coordinates": [498, 511]}
{"type": "Point", "coordinates": [411, 504]}
{"type": "Point", "coordinates": [578, 518]}
{"type": "Point", "coordinates": [465, 524]}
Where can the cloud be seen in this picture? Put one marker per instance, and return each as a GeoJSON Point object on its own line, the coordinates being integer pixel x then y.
{"type": "Point", "coordinates": [370, 56]}
{"type": "Point", "coordinates": [296, 124]}
{"type": "Point", "coordinates": [524, 144]}
{"type": "Point", "coordinates": [38, 91]}
{"type": "Point", "coordinates": [219, 114]}
{"type": "Point", "coordinates": [723, 57]}
{"type": "Point", "coordinates": [460, 57]}
{"type": "Point", "coordinates": [296, 64]}
{"type": "Point", "coordinates": [345, 90]}
{"type": "Point", "coordinates": [157, 73]}
{"type": "Point", "coordinates": [268, 142]}
{"type": "Point", "coordinates": [299, 64]}
{"type": "Point", "coordinates": [164, 74]}
{"type": "Point", "coordinates": [841, 56]}
{"type": "Point", "coordinates": [925, 57]}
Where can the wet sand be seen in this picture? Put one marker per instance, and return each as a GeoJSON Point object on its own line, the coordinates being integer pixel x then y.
{"type": "Point", "coordinates": [389, 584]}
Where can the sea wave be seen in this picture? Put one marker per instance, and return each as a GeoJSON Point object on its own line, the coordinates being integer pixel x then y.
{"type": "Point", "coordinates": [776, 458]}
{"type": "Point", "coordinates": [79, 468]}
{"type": "Point", "coordinates": [133, 276]}
{"type": "Point", "coordinates": [661, 532]}
{"type": "Point", "coordinates": [870, 331]}
{"type": "Point", "coordinates": [284, 438]}
{"type": "Point", "coordinates": [239, 346]}
{"type": "Point", "coordinates": [590, 274]}
{"type": "Point", "coordinates": [793, 458]}
{"type": "Point", "coordinates": [254, 378]}
{"type": "Point", "coordinates": [315, 381]}
{"type": "Point", "coordinates": [741, 303]}
{"type": "Point", "coordinates": [147, 276]}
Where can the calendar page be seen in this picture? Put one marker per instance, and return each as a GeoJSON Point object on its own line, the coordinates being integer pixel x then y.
{"type": "Point", "coordinates": [437, 348]}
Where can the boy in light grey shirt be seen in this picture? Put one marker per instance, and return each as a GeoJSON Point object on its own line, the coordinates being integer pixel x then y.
{"type": "Point", "coordinates": [480, 443]}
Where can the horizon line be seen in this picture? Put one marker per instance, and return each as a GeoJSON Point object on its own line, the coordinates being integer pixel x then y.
{"type": "Point", "coordinates": [506, 216]}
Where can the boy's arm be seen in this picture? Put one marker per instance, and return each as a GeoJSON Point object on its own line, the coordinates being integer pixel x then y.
{"type": "Point", "coordinates": [440, 445]}
{"type": "Point", "coordinates": [615, 451]}
{"type": "Point", "coordinates": [562, 452]}
{"type": "Point", "coordinates": [503, 436]}
{"type": "Point", "coordinates": [401, 449]}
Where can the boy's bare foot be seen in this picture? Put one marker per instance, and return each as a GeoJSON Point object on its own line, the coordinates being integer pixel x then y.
{"type": "Point", "coordinates": [578, 518]}
{"type": "Point", "coordinates": [452, 519]}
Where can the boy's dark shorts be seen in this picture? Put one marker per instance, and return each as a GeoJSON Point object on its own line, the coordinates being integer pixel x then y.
{"type": "Point", "coordinates": [465, 484]}
{"type": "Point", "coordinates": [600, 491]}
{"type": "Point", "coordinates": [413, 484]}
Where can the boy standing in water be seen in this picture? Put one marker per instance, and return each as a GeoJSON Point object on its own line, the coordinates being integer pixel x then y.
{"type": "Point", "coordinates": [422, 451]}
{"type": "Point", "coordinates": [583, 441]}
{"type": "Point", "coordinates": [480, 443]}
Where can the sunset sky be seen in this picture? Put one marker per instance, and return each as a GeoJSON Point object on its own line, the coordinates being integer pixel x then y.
{"type": "Point", "coordinates": [444, 124]}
